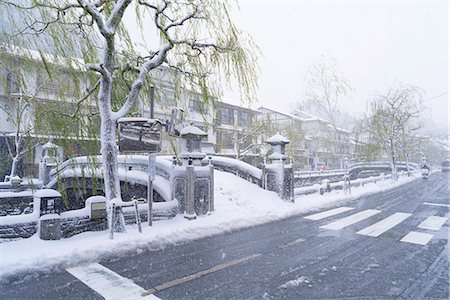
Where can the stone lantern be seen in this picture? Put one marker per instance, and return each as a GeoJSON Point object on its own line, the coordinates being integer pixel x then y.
{"type": "Point", "coordinates": [50, 152]}
{"type": "Point", "coordinates": [191, 139]}
{"type": "Point", "coordinates": [49, 159]}
{"type": "Point", "coordinates": [278, 143]}
{"type": "Point", "coordinates": [193, 183]}
{"type": "Point", "coordinates": [277, 176]}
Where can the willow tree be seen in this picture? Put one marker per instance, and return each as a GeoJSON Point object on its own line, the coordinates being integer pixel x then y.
{"type": "Point", "coordinates": [196, 39]}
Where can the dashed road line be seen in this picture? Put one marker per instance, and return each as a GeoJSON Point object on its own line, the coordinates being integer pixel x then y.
{"type": "Point", "coordinates": [352, 219]}
{"type": "Point", "coordinates": [197, 275]}
{"type": "Point", "coordinates": [328, 213]}
{"type": "Point", "coordinates": [107, 283]}
{"type": "Point", "coordinates": [288, 244]}
{"type": "Point", "coordinates": [433, 223]}
{"type": "Point", "coordinates": [384, 225]}
{"type": "Point", "coordinates": [418, 238]}
{"type": "Point", "coordinates": [436, 204]}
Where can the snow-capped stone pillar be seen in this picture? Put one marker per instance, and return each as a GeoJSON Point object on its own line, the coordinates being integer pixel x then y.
{"type": "Point", "coordinates": [191, 181]}
{"type": "Point", "coordinates": [277, 175]}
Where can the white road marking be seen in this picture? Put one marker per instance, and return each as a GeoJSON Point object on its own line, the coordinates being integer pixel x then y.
{"type": "Point", "coordinates": [418, 238]}
{"type": "Point", "coordinates": [433, 223]}
{"type": "Point", "coordinates": [200, 274]}
{"type": "Point", "coordinates": [328, 213]}
{"type": "Point", "coordinates": [384, 225]}
{"type": "Point", "coordinates": [436, 204]}
{"type": "Point", "coordinates": [108, 284]}
{"type": "Point", "coordinates": [352, 219]}
{"type": "Point", "coordinates": [291, 243]}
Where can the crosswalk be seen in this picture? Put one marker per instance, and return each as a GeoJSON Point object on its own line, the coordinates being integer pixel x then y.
{"type": "Point", "coordinates": [107, 283]}
{"type": "Point", "coordinates": [431, 223]}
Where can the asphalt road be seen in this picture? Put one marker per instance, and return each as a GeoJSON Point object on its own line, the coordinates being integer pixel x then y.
{"type": "Point", "coordinates": [291, 259]}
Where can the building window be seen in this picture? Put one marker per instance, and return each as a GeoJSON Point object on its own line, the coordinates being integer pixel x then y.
{"type": "Point", "coordinates": [12, 84]}
{"type": "Point", "coordinates": [197, 106]}
{"type": "Point", "coordinates": [58, 83]}
{"type": "Point", "coordinates": [227, 115]}
{"type": "Point", "coordinates": [244, 118]}
{"type": "Point", "coordinates": [225, 139]}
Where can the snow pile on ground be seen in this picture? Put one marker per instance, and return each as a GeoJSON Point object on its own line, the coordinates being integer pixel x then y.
{"type": "Point", "coordinates": [295, 282]}
{"type": "Point", "coordinates": [238, 204]}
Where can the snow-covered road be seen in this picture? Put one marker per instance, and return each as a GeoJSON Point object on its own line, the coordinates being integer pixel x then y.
{"type": "Point", "coordinates": [238, 204]}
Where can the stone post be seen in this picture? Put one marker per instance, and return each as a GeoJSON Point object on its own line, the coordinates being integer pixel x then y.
{"type": "Point", "coordinates": [189, 212]}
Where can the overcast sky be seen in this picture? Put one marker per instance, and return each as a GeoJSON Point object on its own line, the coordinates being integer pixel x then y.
{"type": "Point", "coordinates": [374, 42]}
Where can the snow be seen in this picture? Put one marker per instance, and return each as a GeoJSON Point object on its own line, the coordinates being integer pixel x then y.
{"type": "Point", "coordinates": [49, 217]}
{"type": "Point", "coordinates": [192, 130]}
{"type": "Point", "coordinates": [137, 119]}
{"type": "Point", "coordinates": [236, 164]}
{"type": "Point", "coordinates": [295, 282]}
{"type": "Point", "coordinates": [277, 139]}
{"type": "Point", "coordinates": [160, 184]}
{"type": "Point", "coordinates": [49, 145]}
{"type": "Point", "coordinates": [46, 193]}
{"type": "Point", "coordinates": [238, 204]}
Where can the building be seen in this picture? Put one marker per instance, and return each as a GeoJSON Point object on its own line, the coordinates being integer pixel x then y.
{"type": "Point", "coordinates": [236, 131]}
{"type": "Point", "coordinates": [30, 100]}
{"type": "Point", "coordinates": [315, 143]}
{"type": "Point", "coordinates": [291, 127]}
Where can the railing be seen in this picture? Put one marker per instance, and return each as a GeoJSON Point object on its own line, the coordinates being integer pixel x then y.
{"type": "Point", "coordinates": [237, 167]}
{"type": "Point", "coordinates": [135, 162]}
{"type": "Point", "coordinates": [321, 188]}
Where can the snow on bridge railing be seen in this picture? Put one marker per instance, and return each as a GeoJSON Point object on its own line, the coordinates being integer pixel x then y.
{"type": "Point", "coordinates": [128, 162]}
{"type": "Point", "coordinates": [237, 167]}
{"type": "Point", "coordinates": [306, 174]}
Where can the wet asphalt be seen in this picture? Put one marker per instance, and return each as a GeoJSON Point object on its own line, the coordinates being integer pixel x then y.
{"type": "Point", "coordinates": [288, 259]}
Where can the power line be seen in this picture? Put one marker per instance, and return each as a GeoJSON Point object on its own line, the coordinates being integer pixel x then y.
{"type": "Point", "coordinates": [437, 96]}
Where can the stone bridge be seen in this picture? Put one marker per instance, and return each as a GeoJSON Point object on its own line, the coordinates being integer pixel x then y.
{"type": "Point", "coordinates": [82, 177]}
{"type": "Point", "coordinates": [85, 174]}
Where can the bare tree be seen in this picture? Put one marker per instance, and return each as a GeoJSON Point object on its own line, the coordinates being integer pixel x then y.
{"type": "Point", "coordinates": [389, 119]}
{"type": "Point", "coordinates": [326, 88]}
{"type": "Point", "coordinates": [23, 127]}
{"type": "Point", "coordinates": [197, 39]}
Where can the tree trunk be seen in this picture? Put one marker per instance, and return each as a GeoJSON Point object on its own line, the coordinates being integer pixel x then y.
{"type": "Point", "coordinates": [405, 154]}
{"type": "Point", "coordinates": [14, 165]}
{"type": "Point", "coordinates": [110, 171]}
{"type": "Point", "coordinates": [394, 165]}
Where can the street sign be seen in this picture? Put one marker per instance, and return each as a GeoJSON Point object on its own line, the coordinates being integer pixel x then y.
{"type": "Point", "coordinates": [139, 135]}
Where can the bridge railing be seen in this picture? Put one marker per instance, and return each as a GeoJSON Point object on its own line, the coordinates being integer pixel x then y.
{"type": "Point", "coordinates": [130, 163]}
{"type": "Point", "coordinates": [237, 167]}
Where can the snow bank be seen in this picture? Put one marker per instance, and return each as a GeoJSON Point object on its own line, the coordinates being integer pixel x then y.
{"type": "Point", "coordinates": [238, 204]}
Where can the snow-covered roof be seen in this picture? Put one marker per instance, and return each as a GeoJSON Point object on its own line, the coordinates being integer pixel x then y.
{"type": "Point", "coordinates": [49, 145]}
{"type": "Point", "coordinates": [58, 137]}
{"type": "Point", "coordinates": [77, 63]}
{"type": "Point", "coordinates": [339, 129]}
{"type": "Point", "coordinates": [280, 112]}
{"type": "Point", "coordinates": [278, 139]}
{"type": "Point", "coordinates": [309, 117]}
{"type": "Point", "coordinates": [191, 129]}
{"type": "Point", "coordinates": [137, 119]}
